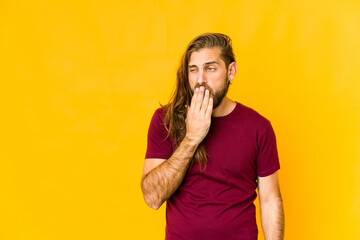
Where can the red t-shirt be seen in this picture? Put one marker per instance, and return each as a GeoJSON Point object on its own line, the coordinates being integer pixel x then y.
{"type": "Point", "coordinates": [218, 202]}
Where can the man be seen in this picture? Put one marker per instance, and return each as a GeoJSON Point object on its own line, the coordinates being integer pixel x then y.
{"type": "Point", "coordinates": [207, 154]}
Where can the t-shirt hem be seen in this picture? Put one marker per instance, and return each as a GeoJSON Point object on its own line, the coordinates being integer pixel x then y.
{"type": "Point", "coordinates": [267, 173]}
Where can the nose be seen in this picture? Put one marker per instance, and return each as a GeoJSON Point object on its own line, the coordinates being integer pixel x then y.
{"type": "Point", "coordinates": [202, 78]}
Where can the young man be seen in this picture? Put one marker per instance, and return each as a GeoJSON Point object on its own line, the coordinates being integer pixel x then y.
{"type": "Point", "coordinates": [207, 154]}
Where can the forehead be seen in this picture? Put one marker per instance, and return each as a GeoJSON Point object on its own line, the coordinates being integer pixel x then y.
{"type": "Point", "coordinates": [205, 55]}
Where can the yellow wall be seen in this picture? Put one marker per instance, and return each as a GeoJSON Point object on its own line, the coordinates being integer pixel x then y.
{"type": "Point", "coordinates": [80, 81]}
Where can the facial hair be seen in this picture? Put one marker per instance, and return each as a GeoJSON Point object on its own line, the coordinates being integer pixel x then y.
{"type": "Point", "coordinates": [217, 96]}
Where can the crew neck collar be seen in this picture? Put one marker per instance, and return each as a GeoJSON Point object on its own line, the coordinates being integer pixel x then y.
{"type": "Point", "coordinates": [236, 108]}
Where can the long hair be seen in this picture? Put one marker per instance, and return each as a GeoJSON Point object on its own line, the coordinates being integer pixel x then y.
{"type": "Point", "coordinates": [175, 111]}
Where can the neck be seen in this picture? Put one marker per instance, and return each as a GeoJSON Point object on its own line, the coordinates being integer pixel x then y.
{"type": "Point", "coordinates": [225, 107]}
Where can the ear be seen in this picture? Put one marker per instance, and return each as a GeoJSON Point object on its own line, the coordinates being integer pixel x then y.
{"type": "Point", "coordinates": [232, 71]}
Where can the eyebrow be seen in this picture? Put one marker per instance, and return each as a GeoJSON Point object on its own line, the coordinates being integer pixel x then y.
{"type": "Point", "coordinates": [208, 63]}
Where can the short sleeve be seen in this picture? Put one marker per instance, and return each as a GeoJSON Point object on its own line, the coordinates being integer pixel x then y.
{"type": "Point", "coordinates": [158, 145]}
{"type": "Point", "coordinates": [267, 161]}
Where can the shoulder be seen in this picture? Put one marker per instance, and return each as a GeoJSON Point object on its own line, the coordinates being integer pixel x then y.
{"type": "Point", "coordinates": [159, 115]}
{"type": "Point", "coordinates": [158, 119]}
{"type": "Point", "coordinates": [253, 117]}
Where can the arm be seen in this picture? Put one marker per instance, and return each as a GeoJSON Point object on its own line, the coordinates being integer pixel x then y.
{"type": "Point", "coordinates": [271, 207]}
{"type": "Point", "coordinates": [160, 182]}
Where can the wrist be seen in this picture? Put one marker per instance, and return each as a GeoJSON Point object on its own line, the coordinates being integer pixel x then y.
{"type": "Point", "coordinates": [191, 141]}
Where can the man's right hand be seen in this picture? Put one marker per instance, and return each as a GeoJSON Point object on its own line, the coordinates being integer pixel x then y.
{"type": "Point", "coordinates": [198, 117]}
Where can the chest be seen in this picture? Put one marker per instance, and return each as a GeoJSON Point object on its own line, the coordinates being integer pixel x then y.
{"type": "Point", "coordinates": [231, 150]}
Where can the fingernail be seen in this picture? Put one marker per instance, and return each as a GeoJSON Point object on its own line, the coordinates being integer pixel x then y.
{"type": "Point", "coordinates": [202, 88]}
{"type": "Point", "coordinates": [207, 91]}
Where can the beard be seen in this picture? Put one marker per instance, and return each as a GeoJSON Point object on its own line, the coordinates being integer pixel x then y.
{"type": "Point", "coordinates": [217, 96]}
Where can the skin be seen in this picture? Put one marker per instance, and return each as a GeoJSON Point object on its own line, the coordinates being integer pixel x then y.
{"type": "Point", "coordinates": [271, 207]}
{"type": "Point", "coordinates": [161, 177]}
{"type": "Point", "coordinates": [214, 75]}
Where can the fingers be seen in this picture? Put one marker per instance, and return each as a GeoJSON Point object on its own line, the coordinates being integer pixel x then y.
{"type": "Point", "coordinates": [198, 117]}
{"type": "Point", "coordinates": [200, 100]}
{"type": "Point", "coordinates": [199, 97]}
{"type": "Point", "coordinates": [209, 108]}
{"type": "Point", "coordinates": [205, 101]}
{"type": "Point", "coordinates": [194, 97]}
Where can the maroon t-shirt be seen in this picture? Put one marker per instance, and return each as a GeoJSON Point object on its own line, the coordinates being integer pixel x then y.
{"type": "Point", "coordinates": [218, 202]}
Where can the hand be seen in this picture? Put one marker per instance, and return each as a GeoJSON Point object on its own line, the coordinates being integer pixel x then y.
{"type": "Point", "coordinates": [198, 118]}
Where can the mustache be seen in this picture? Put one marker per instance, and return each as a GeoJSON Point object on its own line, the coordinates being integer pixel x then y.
{"type": "Point", "coordinates": [204, 84]}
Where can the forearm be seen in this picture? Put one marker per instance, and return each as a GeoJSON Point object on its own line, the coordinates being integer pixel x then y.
{"type": "Point", "coordinates": [161, 182]}
{"type": "Point", "coordinates": [272, 219]}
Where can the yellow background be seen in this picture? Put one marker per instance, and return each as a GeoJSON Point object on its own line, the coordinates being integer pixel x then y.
{"type": "Point", "coordinates": [80, 81]}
